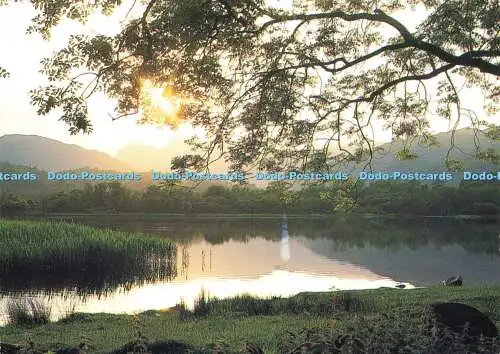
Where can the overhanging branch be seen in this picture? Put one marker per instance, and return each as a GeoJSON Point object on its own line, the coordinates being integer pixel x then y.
{"type": "Point", "coordinates": [470, 59]}
{"type": "Point", "coordinates": [313, 62]}
{"type": "Point", "coordinates": [370, 97]}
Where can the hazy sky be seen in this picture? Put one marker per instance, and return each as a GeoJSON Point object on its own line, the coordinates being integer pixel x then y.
{"type": "Point", "coordinates": [20, 55]}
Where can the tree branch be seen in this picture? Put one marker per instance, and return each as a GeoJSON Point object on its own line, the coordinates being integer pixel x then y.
{"type": "Point", "coordinates": [377, 17]}
{"type": "Point", "coordinates": [136, 111]}
{"type": "Point", "coordinates": [147, 33]}
{"type": "Point", "coordinates": [371, 96]}
{"type": "Point", "coordinates": [467, 59]}
{"type": "Point", "coordinates": [314, 62]}
{"type": "Point", "coordinates": [392, 83]}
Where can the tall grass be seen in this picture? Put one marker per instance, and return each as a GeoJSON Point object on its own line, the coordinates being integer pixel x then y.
{"type": "Point", "coordinates": [202, 304]}
{"type": "Point", "coordinates": [58, 255]}
{"type": "Point", "coordinates": [27, 311]}
{"type": "Point", "coordinates": [249, 305]}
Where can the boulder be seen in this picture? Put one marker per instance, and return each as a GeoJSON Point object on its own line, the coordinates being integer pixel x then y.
{"type": "Point", "coordinates": [6, 348]}
{"type": "Point", "coordinates": [158, 347]}
{"type": "Point", "coordinates": [457, 317]}
{"type": "Point", "coordinates": [68, 350]}
{"type": "Point", "coordinates": [453, 281]}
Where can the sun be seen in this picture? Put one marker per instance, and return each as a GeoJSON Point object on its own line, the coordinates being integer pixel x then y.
{"type": "Point", "coordinates": [169, 105]}
{"type": "Point", "coordinates": [160, 104]}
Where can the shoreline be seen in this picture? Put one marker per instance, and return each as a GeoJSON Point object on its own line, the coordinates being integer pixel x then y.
{"type": "Point", "coordinates": [262, 322]}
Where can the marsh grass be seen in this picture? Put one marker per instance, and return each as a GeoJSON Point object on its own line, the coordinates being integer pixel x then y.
{"type": "Point", "coordinates": [47, 254]}
{"type": "Point", "coordinates": [184, 313]}
{"type": "Point", "coordinates": [202, 304]}
{"type": "Point", "coordinates": [249, 305]}
{"type": "Point", "coordinates": [28, 312]}
{"type": "Point", "coordinates": [349, 301]}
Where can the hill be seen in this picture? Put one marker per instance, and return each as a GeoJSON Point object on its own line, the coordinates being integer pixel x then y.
{"type": "Point", "coordinates": [49, 154]}
{"type": "Point", "coordinates": [39, 154]}
{"type": "Point", "coordinates": [42, 186]}
{"type": "Point", "coordinates": [433, 158]}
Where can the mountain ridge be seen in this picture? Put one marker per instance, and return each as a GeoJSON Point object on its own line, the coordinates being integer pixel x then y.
{"type": "Point", "coordinates": [433, 158]}
{"type": "Point", "coordinates": [50, 154]}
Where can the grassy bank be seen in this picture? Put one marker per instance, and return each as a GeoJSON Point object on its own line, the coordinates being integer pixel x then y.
{"type": "Point", "coordinates": [383, 319]}
{"type": "Point", "coordinates": [57, 254]}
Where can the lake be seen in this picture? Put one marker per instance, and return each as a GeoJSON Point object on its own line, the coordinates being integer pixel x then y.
{"type": "Point", "coordinates": [227, 256]}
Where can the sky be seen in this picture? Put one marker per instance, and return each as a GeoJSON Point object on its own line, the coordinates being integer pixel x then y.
{"type": "Point", "coordinates": [21, 54]}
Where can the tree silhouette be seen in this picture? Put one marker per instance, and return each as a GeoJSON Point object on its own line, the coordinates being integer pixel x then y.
{"type": "Point", "coordinates": [268, 83]}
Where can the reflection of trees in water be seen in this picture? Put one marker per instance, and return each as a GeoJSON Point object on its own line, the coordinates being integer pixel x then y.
{"type": "Point", "coordinates": [393, 235]}
{"type": "Point", "coordinates": [347, 232]}
{"type": "Point", "coordinates": [185, 259]}
{"type": "Point", "coordinates": [204, 260]}
{"type": "Point", "coordinates": [389, 234]}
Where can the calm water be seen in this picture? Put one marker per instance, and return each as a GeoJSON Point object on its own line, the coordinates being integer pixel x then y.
{"type": "Point", "coordinates": [266, 257]}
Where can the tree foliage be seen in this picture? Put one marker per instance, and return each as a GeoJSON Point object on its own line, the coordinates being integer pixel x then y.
{"type": "Point", "coordinates": [383, 197]}
{"type": "Point", "coordinates": [278, 88]}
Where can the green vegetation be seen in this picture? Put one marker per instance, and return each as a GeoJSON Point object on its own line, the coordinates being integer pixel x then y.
{"type": "Point", "coordinates": [13, 206]}
{"type": "Point", "coordinates": [382, 320]}
{"type": "Point", "coordinates": [382, 198]}
{"type": "Point", "coordinates": [248, 305]}
{"type": "Point", "coordinates": [27, 311]}
{"type": "Point", "coordinates": [49, 254]}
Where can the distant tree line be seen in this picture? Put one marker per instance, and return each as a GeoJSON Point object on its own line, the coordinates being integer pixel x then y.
{"type": "Point", "coordinates": [354, 196]}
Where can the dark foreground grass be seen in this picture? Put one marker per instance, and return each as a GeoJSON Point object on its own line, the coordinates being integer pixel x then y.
{"type": "Point", "coordinates": [46, 254]}
{"type": "Point", "coordinates": [382, 321]}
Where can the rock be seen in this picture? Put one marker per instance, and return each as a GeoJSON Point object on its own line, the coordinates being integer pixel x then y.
{"type": "Point", "coordinates": [249, 348]}
{"type": "Point", "coordinates": [453, 281]}
{"type": "Point", "coordinates": [68, 350]}
{"type": "Point", "coordinates": [167, 346]}
{"type": "Point", "coordinates": [6, 348]}
{"type": "Point", "coordinates": [455, 317]}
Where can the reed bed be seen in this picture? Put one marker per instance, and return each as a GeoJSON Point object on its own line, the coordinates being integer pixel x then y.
{"type": "Point", "coordinates": [58, 255]}
{"type": "Point", "coordinates": [28, 311]}
{"type": "Point", "coordinates": [249, 305]}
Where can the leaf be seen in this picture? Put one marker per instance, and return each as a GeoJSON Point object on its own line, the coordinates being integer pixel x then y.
{"type": "Point", "coordinates": [4, 73]}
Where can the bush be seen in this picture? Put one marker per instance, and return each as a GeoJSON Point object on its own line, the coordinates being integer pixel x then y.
{"type": "Point", "coordinates": [13, 206]}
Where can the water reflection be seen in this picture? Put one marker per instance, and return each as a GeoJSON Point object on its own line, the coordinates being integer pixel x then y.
{"type": "Point", "coordinates": [255, 267]}
{"type": "Point", "coordinates": [425, 266]}
{"type": "Point", "coordinates": [92, 278]}
{"type": "Point", "coordinates": [285, 242]}
{"type": "Point", "coordinates": [390, 235]}
{"type": "Point", "coordinates": [286, 256]}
